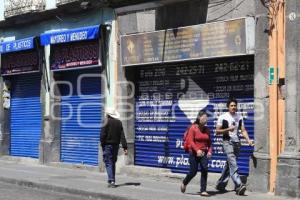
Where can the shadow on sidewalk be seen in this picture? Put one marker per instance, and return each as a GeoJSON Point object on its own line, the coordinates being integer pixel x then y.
{"type": "Point", "coordinates": [211, 193]}
{"type": "Point", "coordinates": [128, 184]}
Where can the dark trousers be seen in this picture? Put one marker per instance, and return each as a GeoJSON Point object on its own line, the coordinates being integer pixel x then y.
{"type": "Point", "coordinates": [194, 163]}
{"type": "Point", "coordinates": [110, 155]}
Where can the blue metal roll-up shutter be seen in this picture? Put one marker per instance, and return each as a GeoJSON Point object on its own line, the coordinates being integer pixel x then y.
{"type": "Point", "coordinates": [168, 99]}
{"type": "Point", "coordinates": [81, 117]}
{"type": "Point", "coordinates": [26, 117]}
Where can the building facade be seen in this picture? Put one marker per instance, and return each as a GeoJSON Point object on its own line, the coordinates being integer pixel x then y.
{"type": "Point", "coordinates": [52, 65]}
{"type": "Point", "coordinates": [191, 55]}
{"type": "Point", "coordinates": [158, 63]}
{"type": "Point", "coordinates": [159, 117]}
{"type": "Point", "coordinates": [288, 167]}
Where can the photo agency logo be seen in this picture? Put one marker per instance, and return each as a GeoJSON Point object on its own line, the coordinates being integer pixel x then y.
{"type": "Point", "coordinates": [158, 106]}
{"type": "Point", "coordinates": [80, 100]}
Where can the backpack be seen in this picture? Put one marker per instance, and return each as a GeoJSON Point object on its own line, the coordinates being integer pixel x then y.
{"type": "Point", "coordinates": [185, 142]}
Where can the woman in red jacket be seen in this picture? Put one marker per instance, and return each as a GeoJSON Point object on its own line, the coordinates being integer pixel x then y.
{"type": "Point", "coordinates": [199, 141]}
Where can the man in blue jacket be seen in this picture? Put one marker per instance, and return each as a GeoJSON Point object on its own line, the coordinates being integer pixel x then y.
{"type": "Point", "coordinates": [112, 134]}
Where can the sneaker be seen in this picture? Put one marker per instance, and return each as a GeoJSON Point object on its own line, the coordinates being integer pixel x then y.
{"type": "Point", "coordinates": [241, 190]}
{"type": "Point", "coordinates": [112, 185]}
{"type": "Point", "coordinates": [220, 189]}
{"type": "Point", "coordinates": [182, 188]}
{"type": "Point", "coordinates": [204, 193]}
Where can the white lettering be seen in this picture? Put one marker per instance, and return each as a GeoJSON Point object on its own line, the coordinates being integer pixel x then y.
{"type": "Point", "coordinates": [182, 161]}
{"type": "Point", "coordinates": [58, 38]}
{"type": "Point", "coordinates": [78, 36]}
{"type": "Point", "coordinates": [22, 44]}
{"type": "Point", "coordinates": [8, 47]}
{"type": "Point", "coordinates": [217, 164]}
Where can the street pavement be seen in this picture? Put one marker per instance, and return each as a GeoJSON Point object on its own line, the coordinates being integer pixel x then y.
{"type": "Point", "coordinates": [15, 192]}
{"type": "Point", "coordinates": [92, 184]}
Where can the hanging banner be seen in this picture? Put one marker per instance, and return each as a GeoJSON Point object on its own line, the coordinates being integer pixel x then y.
{"type": "Point", "coordinates": [219, 39]}
{"type": "Point", "coordinates": [20, 62]}
{"type": "Point", "coordinates": [19, 56]}
{"type": "Point", "coordinates": [74, 55]}
{"type": "Point", "coordinates": [72, 35]}
{"type": "Point", "coordinates": [17, 45]}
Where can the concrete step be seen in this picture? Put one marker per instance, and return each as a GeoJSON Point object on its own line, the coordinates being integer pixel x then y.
{"type": "Point", "coordinates": [23, 160]}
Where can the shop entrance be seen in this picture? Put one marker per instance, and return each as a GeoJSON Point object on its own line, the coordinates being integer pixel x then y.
{"type": "Point", "coordinates": [169, 97]}
{"type": "Point", "coordinates": [81, 114]}
{"type": "Point", "coordinates": [26, 115]}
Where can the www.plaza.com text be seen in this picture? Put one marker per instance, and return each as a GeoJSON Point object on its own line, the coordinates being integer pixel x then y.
{"type": "Point", "coordinates": [184, 161]}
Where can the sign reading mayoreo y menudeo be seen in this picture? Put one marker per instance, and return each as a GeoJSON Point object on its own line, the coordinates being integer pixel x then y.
{"type": "Point", "coordinates": [218, 39]}
{"type": "Point", "coordinates": [73, 48]}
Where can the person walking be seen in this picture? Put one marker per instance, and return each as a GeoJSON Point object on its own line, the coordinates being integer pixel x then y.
{"type": "Point", "coordinates": [229, 125]}
{"type": "Point", "coordinates": [200, 151]}
{"type": "Point", "coordinates": [111, 136]}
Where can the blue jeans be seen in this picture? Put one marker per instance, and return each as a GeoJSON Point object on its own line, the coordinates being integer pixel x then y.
{"type": "Point", "coordinates": [194, 163]}
{"type": "Point", "coordinates": [110, 155]}
{"type": "Point", "coordinates": [232, 150]}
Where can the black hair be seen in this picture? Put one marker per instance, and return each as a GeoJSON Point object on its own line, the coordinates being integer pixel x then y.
{"type": "Point", "coordinates": [229, 101]}
{"type": "Point", "coordinates": [200, 114]}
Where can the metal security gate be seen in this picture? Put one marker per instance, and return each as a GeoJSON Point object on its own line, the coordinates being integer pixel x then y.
{"type": "Point", "coordinates": [26, 117]}
{"type": "Point", "coordinates": [168, 99]}
{"type": "Point", "coordinates": [81, 112]}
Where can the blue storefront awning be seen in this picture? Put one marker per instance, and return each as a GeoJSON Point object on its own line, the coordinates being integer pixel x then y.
{"type": "Point", "coordinates": [17, 45]}
{"type": "Point", "coordinates": [72, 35]}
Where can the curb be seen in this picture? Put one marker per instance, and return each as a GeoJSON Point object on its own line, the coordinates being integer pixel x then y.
{"type": "Point", "coordinates": [61, 189]}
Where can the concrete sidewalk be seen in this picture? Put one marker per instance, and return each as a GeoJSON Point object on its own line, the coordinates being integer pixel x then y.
{"type": "Point", "coordinates": [93, 184]}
